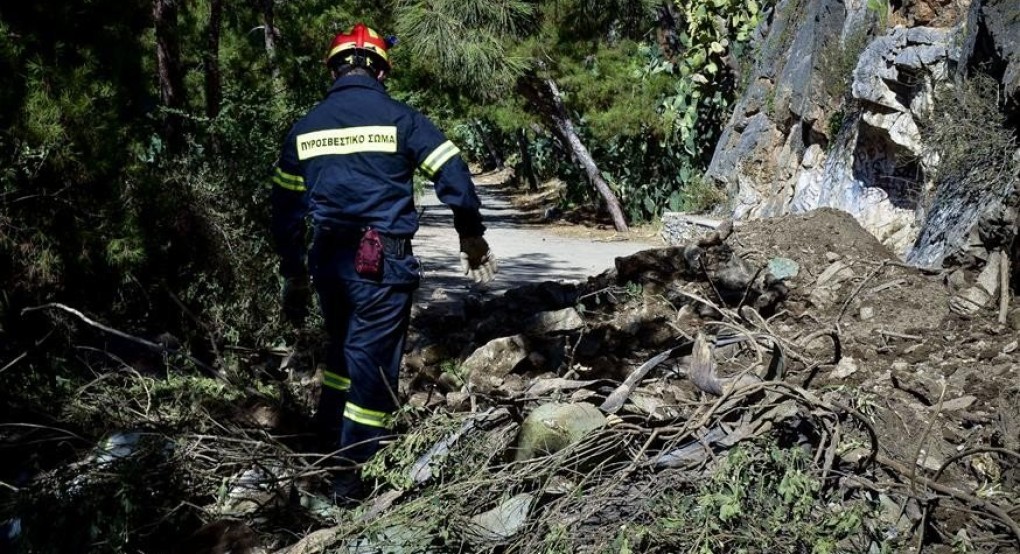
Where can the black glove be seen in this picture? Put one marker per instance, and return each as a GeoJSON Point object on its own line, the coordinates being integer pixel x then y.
{"type": "Point", "coordinates": [296, 297]}
{"type": "Point", "coordinates": [477, 260]}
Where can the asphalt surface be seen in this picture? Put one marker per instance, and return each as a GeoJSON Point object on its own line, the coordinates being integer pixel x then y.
{"type": "Point", "coordinates": [527, 252]}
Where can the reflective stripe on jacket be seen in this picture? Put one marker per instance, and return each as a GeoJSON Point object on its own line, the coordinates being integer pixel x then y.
{"type": "Point", "coordinates": [349, 163]}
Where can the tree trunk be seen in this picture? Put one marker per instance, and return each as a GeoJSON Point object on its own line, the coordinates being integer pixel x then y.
{"type": "Point", "coordinates": [566, 128]}
{"type": "Point", "coordinates": [269, 25]}
{"type": "Point", "coordinates": [494, 157]}
{"type": "Point", "coordinates": [527, 168]}
{"type": "Point", "coordinates": [168, 65]}
{"type": "Point", "coordinates": [666, 31]}
{"type": "Point", "coordinates": [213, 82]}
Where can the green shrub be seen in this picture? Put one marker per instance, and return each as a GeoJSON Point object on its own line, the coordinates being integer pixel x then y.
{"type": "Point", "coordinates": [761, 498]}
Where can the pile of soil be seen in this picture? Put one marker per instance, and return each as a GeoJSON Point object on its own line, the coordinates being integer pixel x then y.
{"type": "Point", "coordinates": [939, 383]}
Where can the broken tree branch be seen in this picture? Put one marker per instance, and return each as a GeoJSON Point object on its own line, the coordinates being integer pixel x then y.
{"type": "Point", "coordinates": [896, 335]}
{"type": "Point", "coordinates": [151, 346]}
{"type": "Point", "coordinates": [703, 371]}
{"type": "Point", "coordinates": [961, 496]}
{"type": "Point", "coordinates": [860, 286]}
{"type": "Point", "coordinates": [618, 397]}
{"type": "Point", "coordinates": [14, 362]}
{"type": "Point", "coordinates": [974, 451]}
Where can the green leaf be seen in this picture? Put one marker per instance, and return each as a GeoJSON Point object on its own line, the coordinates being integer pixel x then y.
{"type": "Point", "coordinates": [675, 201]}
{"type": "Point", "coordinates": [649, 205]}
{"type": "Point", "coordinates": [697, 60]}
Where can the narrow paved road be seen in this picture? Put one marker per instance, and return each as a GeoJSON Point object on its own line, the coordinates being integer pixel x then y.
{"type": "Point", "coordinates": [527, 252]}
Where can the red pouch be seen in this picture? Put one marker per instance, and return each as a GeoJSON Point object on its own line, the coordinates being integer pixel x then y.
{"type": "Point", "coordinates": [369, 260]}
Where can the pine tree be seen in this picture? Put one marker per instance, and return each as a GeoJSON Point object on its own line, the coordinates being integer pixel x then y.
{"type": "Point", "coordinates": [493, 49]}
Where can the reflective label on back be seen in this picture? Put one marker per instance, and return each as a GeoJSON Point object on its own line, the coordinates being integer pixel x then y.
{"type": "Point", "coordinates": [352, 140]}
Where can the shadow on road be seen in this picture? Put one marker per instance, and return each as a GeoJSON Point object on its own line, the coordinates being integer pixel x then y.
{"type": "Point", "coordinates": [514, 271]}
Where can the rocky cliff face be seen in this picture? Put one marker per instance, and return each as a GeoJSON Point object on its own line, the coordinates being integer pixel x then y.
{"type": "Point", "coordinates": [838, 113]}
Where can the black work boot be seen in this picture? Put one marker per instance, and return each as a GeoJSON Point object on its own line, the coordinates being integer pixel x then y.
{"type": "Point", "coordinates": [348, 489]}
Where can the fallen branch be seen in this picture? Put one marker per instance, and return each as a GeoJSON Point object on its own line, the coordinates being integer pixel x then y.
{"type": "Point", "coordinates": [722, 232]}
{"type": "Point", "coordinates": [154, 347]}
{"type": "Point", "coordinates": [961, 496]}
{"type": "Point", "coordinates": [542, 387]}
{"type": "Point", "coordinates": [24, 354]}
{"type": "Point", "coordinates": [895, 335]}
{"type": "Point", "coordinates": [837, 343]}
{"type": "Point", "coordinates": [888, 285]}
{"type": "Point", "coordinates": [703, 371]}
{"type": "Point", "coordinates": [972, 452]}
{"type": "Point", "coordinates": [422, 470]}
{"type": "Point", "coordinates": [48, 428]}
{"type": "Point", "coordinates": [860, 286]}
{"type": "Point", "coordinates": [692, 451]}
{"type": "Point", "coordinates": [924, 437]}
{"type": "Point", "coordinates": [618, 397]}
{"type": "Point", "coordinates": [14, 362]}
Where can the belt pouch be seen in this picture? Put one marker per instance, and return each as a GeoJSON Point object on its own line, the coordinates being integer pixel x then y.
{"type": "Point", "coordinates": [369, 260]}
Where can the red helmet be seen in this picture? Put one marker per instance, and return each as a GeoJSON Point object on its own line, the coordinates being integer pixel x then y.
{"type": "Point", "coordinates": [361, 42]}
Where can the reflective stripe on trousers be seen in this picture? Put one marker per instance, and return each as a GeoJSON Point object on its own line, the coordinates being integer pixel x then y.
{"type": "Point", "coordinates": [366, 324]}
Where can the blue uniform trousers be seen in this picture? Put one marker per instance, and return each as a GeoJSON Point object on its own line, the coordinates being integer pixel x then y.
{"type": "Point", "coordinates": [366, 324]}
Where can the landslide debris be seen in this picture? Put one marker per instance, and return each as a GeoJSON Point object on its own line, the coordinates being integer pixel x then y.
{"type": "Point", "coordinates": [783, 386]}
{"type": "Point", "coordinates": [898, 398]}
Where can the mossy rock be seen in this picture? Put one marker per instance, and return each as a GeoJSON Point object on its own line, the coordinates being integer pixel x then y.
{"type": "Point", "coordinates": [553, 427]}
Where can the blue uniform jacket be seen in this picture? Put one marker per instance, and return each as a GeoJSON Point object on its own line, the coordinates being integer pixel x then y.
{"type": "Point", "coordinates": [349, 164]}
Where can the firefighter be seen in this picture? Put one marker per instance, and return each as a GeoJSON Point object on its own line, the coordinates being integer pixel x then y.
{"type": "Point", "coordinates": [348, 164]}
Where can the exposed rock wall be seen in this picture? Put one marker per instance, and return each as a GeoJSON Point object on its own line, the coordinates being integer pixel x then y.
{"type": "Point", "coordinates": [834, 112]}
{"type": "Point", "coordinates": [1001, 18]}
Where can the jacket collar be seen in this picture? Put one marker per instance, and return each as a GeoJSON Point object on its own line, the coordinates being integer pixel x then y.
{"type": "Point", "coordinates": [356, 81]}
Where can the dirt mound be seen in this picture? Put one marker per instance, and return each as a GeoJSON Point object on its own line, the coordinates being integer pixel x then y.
{"type": "Point", "coordinates": [937, 383]}
{"type": "Point", "coordinates": [810, 237]}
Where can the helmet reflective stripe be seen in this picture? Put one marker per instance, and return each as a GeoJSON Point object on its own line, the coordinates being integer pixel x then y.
{"type": "Point", "coordinates": [353, 46]}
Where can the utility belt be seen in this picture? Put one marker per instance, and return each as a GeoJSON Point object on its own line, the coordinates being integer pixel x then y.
{"type": "Point", "coordinates": [396, 248]}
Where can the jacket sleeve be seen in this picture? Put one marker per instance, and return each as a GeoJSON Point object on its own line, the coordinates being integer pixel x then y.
{"type": "Point", "coordinates": [439, 159]}
{"type": "Point", "coordinates": [289, 204]}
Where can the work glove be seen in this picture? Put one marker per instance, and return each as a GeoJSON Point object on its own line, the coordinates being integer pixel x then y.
{"type": "Point", "coordinates": [296, 297]}
{"type": "Point", "coordinates": [477, 260]}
